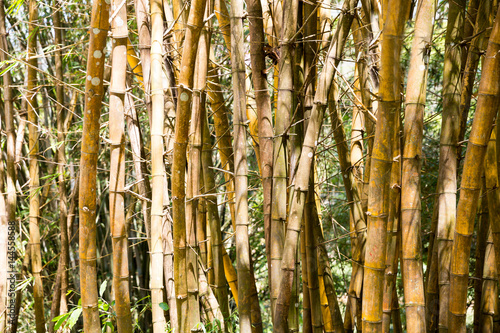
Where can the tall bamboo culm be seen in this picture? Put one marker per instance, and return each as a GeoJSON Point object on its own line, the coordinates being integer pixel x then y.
{"type": "Point", "coordinates": [94, 91]}
{"type": "Point", "coordinates": [243, 252]}
{"type": "Point", "coordinates": [381, 162]}
{"type": "Point", "coordinates": [119, 230]}
{"type": "Point", "coordinates": [411, 209]}
{"type": "Point", "coordinates": [157, 169]}
{"type": "Point", "coordinates": [10, 172]}
{"type": "Point", "coordinates": [486, 111]}
{"type": "Point", "coordinates": [283, 115]}
{"type": "Point", "coordinates": [183, 113]}
{"type": "Point", "coordinates": [447, 179]}
{"type": "Point", "coordinates": [301, 183]}
{"type": "Point", "coordinates": [34, 169]}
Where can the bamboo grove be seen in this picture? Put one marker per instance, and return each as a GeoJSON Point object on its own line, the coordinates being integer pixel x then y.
{"type": "Point", "coordinates": [249, 166]}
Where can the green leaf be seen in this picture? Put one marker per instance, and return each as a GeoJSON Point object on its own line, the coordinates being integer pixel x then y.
{"type": "Point", "coordinates": [60, 320]}
{"type": "Point", "coordinates": [107, 325]}
{"type": "Point", "coordinates": [74, 317]}
{"type": "Point", "coordinates": [164, 306]}
{"type": "Point", "coordinates": [102, 289]}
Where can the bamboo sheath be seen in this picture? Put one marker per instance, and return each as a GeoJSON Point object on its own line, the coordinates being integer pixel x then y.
{"type": "Point", "coordinates": [486, 110]}
{"type": "Point", "coordinates": [411, 209]}
{"type": "Point", "coordinates": [302, 179]}
{"type": "Point", "coordinates": [88, 165]}
{"type": "Point", "coordinates": [381, 162]}
{"type": "Point", "coordinates": [117, 167]}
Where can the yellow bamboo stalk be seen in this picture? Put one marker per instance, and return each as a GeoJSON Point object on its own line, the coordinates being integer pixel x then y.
{"type": "Point", "coordinates": [381, 162]}
{"type": "Point", "coordinates": [486, 110]}
{"type": "Point", "coordinates": [134, 63]}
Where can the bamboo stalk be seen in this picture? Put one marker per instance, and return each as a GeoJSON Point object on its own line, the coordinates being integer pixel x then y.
{"type": "Point", "coordinates": [381, 162]}
{"type": "Point", "coordinates": [4, 262]}
{"type": "Point", "coordinates": [186, 78]}
{"type": "Point", "coordinates": [157, 168]}
{"type": "Point", "coordinates": [34, 170]}
{"type": "Point", "coordinates": [489, 297]}
{"type": "Point", "coordinates": [302, 179]}
{"type": "Point", "coordinates": [476, 47]}
{"type": "Point", "coordinates": [357, 217]}
{"type": "Point", "coordinates": [10, 172]}
{"type": "Point", "coordinates": [486, 110]}
{"type": "Point", "coordinates": [264, 112]}
{"type": "Point", "coordinates": [411, 209]}
{"type": "Point", "coordinates": [482, 235]}
{"type": "Point", "coordinates": [333, 320]}
{"type": "Point", "coordinates": [117, 167]}
{"type": "Point", "coordinates": [9, 122]}
{"type": "Point", "coordinates": [59, 302]}
{"type": "Point", "coordinates": [306, 301]}
{"type": "Point", "coordinates": [285, 106]}
{"type": "Point", "coordinates": [447, 182]}
{"type": "Point", "coordinates": [88, 166]}
{"type": "Point", "coordinates": [241, 210]}
{"type": "Point", "coordinates": [223, 134]}
{"type": "Point", "coordinates": [312, 262]}
{"type": "Point", "coordinates": [220, 284]}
